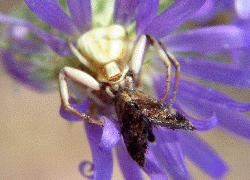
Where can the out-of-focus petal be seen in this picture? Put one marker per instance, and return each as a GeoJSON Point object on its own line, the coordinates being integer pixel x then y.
{"type": "Point", "coordinates": [194, 95]}
{"type": "Point", "coordinates": [86, 169]}
{"type": "Point", "coordinates": [228, 74]}
{"type": "Point", "coordinates": [102, 159]}
{"type": "Point", "coordinates": [110, 135]}
{"type": "Point", "coordinates": [234, 121]}
{"type": "Point", "coordinates": [147, 10]}
{"type": "Point", "coordinates": [242, 8]}
{"type": "Point", "coordinates": [174, 16]}
{"type": "Point", "coordinates": [151, 168]}
{"type": "Point", "coordinates": [125, 11]}
{"type": "Point", "coordinates": [53, 14]}
{"type": "Point", "coordinates": [81, 107]}
{"type": "Point", "coordinates": [21, 71]}
{"type": "Point", "coordinates": [206, 12]}
{"type": "Point", "coordinates": [210, 96]}
{"type": "Point", "coordinates": [128, 166]}
{"type": "Point", "coordinates": [210, 39]}
{"type": "Point", "coordinates": [80, 11]}
{"type": "Point", "coordinates": [202, 155]}
{"type": "Point", "coordinates": [201, 124]}
{"type": "Point", "coordinates": [57, 44]}
{"type": "Point", "coordinates": [204, 124]}
{"type": "Point", "coordinates": [169, 155]}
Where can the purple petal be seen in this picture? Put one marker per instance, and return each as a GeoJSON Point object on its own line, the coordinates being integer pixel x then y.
{"type": "Point", "coordinates": [151, 168]}
{"type": "Point", "coordinates": [234, 121]}
{"type": "Point", "coordinates": [206, 12]}
{"type": "Point", "coordinates": [243, 9]}
{"type": "Point", "coordinates": [52, 13]}
{"type": "Point", "coordinates": [21, 71]}
{"type": "Point", "coordinates": [190, 93]}
{"type": "Point", "coordinates": [57, 44]}
{"type": "Point", "coordinates": [147, 10]}
{"type": "Point", "coordinates": [170, 155]}
{"type": "Point", "coordinates": [86, 169]}
{"type": "Point", "coordinates": [211, 96]}
{"type": "Point", "coordinates": [82, 107]}
{"type": "Point", "coordinates": [201, 124]}
{"type": "Point", "coordinates": [19, 42]}
{"type": "Point", "coordinates": [110, 135]}
{"type": "Point", "coordinates": [102, 159]}
{"type": "Point", "coordinates": [203, 155]}
{"type": "Point", "coordinates": [177, 14]}
{"type": "Point", "coordinates": [80, 11]}
{"type": "Point", "coordinates": [129, 168]}
{"type": "Point", "coordinates": [228, 74]}
{"type": "Point", "coordinates": [208, 40]}
{"type": "Point", "coordinates": [125, 11]}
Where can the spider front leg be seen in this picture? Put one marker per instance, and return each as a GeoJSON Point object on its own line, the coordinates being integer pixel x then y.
{"type": "Point", "coordinates": [83, 79]}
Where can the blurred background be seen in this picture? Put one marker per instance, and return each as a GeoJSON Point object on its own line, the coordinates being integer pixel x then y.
{"type": "Point", "coordinates": [36, 143]}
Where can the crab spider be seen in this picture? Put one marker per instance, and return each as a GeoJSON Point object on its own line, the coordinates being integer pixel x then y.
{"type": "Point", "coordinates": [109, 55]}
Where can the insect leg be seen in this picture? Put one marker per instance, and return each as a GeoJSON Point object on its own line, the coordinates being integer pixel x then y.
{"type": "Point", "coordinates": [81, 78]}
{"type": "Point", "coordinates": [165, 59]}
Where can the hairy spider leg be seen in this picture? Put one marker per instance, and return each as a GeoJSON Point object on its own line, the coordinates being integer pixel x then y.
{"type": "Point", "coordinates": [177, 72]}
{"type": "Point", "coordinates": [137, 59]}
{"type": "Point", "coordinates": [81, 78]}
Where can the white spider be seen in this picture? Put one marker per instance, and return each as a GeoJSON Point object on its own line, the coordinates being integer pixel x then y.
{"type": "Point", "coordinates": [108, 55]}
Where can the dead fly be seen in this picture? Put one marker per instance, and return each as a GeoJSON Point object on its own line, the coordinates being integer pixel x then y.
{"type": "Point", "coordinates": [110, 66]}
{"type": "Point", "coordinates": [138, 114]}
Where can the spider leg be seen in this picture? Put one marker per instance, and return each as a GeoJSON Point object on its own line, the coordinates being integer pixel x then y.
{"type": "Point", "coordinates": [177, 74]}
{"type": "Point", "coordinates": [79, 56]}
{"type": "Point", "coordinates": [83, 79]}
{"type": "Point", "coordinates": [166, 60]}
{"type": "Point", "coordinates": [136, 60]}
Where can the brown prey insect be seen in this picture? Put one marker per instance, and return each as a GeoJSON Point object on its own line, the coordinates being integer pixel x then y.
{"type": "Point", "coordinates": [110, 66]}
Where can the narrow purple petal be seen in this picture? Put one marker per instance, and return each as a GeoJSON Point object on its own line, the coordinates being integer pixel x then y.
{"type": "Point", "coordinates": [21, 71]}
{"type": "Point", "coordinates": [210, 96]}
{"type": "Point", "coordinates": [206, 12]}
{"type": "Point", "coordinates": [80, 11]}
{"type": "Point", "coordinates": [19, 42]}
{"type": "Point", "coordinates": [129, 168]}
{"type": "Point", "coordinates": [53, 14]}
{"type": "Point", "coordinates": [234, 121]}
{"type": "Point", "coordinates": [170, 19]}
{"type": "Point", "coordinates": [147, 10]}
{"type": "Point", "coordinates": [102, 159]}
{"type": "Point", "coordinates": [228, 118]}
{"type": "Point", "coordinates": [57, 44]}
{"type": "Point", "coordinates": [151, 168]}
{"type": "Point", "coordinates": [203, 155]}
{"type": "Point", "coordinates": [81, 107]}
{"type": "Point", "coordinates": [86, 169]}
{"type": "Point", "coordinates": [125, 11]}
{"type": "Point", "coordinates": [228, 74]}
{"type": "Point", "coordinates": [210, 39]}
{"type": "Point", "coordinates": [170, 155]}
{"type": "Point", "coordinates": [201, 124]}
{"type": "Point", "coordinates": [110, 136]}
{"type": "Point", "coordinates": [204, 124]}
{"type": "Point", "coordinates": [194, 96]}
{"type": "Point", "coordinates": [242, 8]}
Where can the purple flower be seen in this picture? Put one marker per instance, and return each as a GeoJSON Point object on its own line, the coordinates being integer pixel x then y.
{"type": "Point", "coordinates": [196, 50]}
